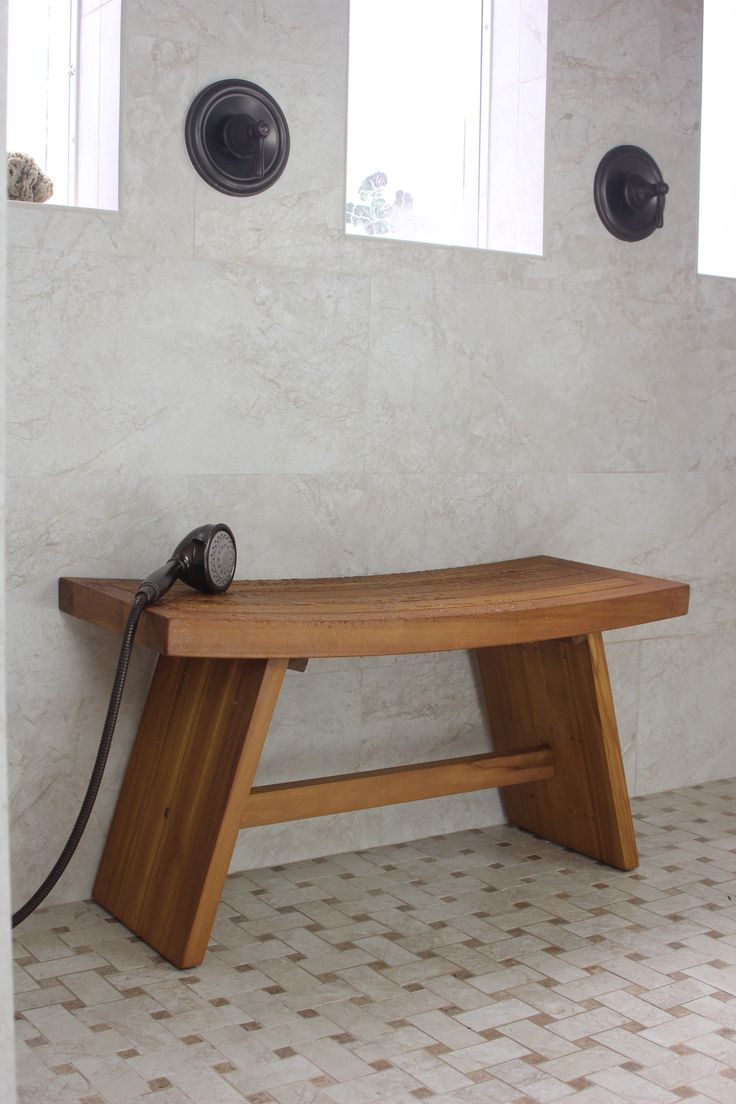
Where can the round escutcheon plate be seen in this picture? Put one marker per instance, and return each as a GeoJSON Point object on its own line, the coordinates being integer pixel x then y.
{"type": "Point", "coordinates": [237, 137]}
{"type": "Point", "coordinates": [629, 193]}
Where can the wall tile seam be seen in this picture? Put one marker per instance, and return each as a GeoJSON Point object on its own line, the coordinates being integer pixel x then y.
{"type": "Point", "coordinates": [528, 471]}
{"type": "Point", "coordinates": [112, 254]}
{"type": "Point", "coordinates": [624, 124]}
{"type": "Point", "coordinates": [151, 260]}
{"type": "Point", "coordinates": [637, 713]}
{"type": "Point", "coordinates": [685, 299]}
{"type": "Point", "coordinates": [510, 476]}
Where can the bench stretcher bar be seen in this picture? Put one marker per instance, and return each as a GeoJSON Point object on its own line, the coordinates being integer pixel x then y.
{"type": "Point", "coordinates": [369, 789]}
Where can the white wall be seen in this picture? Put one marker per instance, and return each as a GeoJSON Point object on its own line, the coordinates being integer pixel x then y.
{"type": "Point", "coordinates": [362, 406]}
{"type": "Point", "coordinates": [7, 1050]}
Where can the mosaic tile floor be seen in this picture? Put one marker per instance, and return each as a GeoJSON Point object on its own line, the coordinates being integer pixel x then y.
{"type": "Point", "coordinates": [479, 967]}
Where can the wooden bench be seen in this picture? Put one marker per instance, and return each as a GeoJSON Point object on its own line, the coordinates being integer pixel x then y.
{"type": "Point", "coordinates": [534, 625]}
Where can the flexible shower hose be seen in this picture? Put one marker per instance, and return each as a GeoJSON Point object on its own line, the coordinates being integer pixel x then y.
{"type": "Point", "coordinates": [139, 604]}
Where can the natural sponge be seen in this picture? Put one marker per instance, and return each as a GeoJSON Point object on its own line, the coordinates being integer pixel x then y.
{"type": "Point", "coordinates": [26, 181]}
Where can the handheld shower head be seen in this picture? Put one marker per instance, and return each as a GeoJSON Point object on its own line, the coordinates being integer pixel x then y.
{"type": "Point", "coordinates": [208, 557]}
{"type": "Point", "coordinates": [204, 560]}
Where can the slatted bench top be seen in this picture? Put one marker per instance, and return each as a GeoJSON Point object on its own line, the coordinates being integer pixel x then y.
{"type": "Point", "coordinates": [537, 598]}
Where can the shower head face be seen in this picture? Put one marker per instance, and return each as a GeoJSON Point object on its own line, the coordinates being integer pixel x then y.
{"type": "Point", "coordinates": [207, 556]}
{"type": "Point", "coordinates": [220, 559]}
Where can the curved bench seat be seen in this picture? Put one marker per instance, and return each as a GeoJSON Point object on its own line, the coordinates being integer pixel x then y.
{"type": "Point", "coordinates": [534, 626]}
{"type": "Point", "coordinates": [538, 598]}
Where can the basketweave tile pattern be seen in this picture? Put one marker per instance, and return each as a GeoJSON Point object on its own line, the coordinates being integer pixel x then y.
{"type": "Point", "coordinates": [482, 967]}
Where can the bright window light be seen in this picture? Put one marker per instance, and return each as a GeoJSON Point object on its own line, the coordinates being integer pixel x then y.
{"type": "Point", "coordinates": [64, 95]}
{"type": "Point", "coordinates": [717, 221]}
{"type": "Point", "coordinates": [446, 121]}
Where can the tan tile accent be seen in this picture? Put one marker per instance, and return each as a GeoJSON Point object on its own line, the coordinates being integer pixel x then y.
{"type": "Point", "coordinates": [540, 976]}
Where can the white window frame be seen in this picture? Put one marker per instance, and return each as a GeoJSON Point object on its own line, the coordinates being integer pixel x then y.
{"type": "Point", "coordinates": [717, 211]}
{"type": "Point", "coordinates": [500, 205]}
{"type": "Point", "coordinates": [66, 62]}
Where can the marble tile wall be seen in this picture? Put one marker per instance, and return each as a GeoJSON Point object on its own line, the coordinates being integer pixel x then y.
{"type": "Point", "coordinates": [362, 406]}
{"type": "Point", "coordinates": [7, 1047]}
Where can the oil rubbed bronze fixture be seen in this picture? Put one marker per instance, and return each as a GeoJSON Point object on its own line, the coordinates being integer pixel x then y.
{"type": "Point", "coordinates": [237, 137]}
{"type": "Point", "coordinates": [629, 193]}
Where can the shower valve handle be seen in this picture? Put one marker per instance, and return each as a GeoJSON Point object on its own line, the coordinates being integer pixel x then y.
{"type": "Point", "coordinates": [239, 133]}
{"type": "Point", "coordinates": [261, 131]}
{"type": "Point", "coordinates": [638, 192]}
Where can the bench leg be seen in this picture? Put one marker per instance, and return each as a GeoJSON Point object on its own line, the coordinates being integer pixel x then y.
{"type": "Point", "coordinates": [181, 803]}
{"type": "Point", "coordinates": [557, 692]}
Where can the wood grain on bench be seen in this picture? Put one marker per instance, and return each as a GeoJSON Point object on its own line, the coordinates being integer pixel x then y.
{"type": "Point", "coordinates": [534, 627]}
{"type": "Point", "coordinates": [538, 598]}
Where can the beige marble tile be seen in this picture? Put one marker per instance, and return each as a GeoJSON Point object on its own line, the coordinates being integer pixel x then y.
{"type": "Point", "coordinates": [313, 1025]}
{"type": "Point", "coordinates": [697, 672]}
{"type": "Point", "coordinates": [355, 406]}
